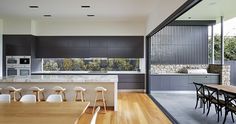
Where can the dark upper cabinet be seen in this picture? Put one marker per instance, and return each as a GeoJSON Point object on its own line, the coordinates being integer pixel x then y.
{"type": "Point", "coordinates": [15, 45]}
{"type": "Point", "coordinates": [89, 46]}
{"type": "Point", "coordinates": [62, 47]}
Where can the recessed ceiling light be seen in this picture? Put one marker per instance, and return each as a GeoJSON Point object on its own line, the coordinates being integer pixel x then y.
{"type": "Point", "coordinates": [212, 3]}
{"type": "Point", "coordinates": [47, 15]}
{"type": "Point", "coordinates": [85, 6]}
{"type": "Point", "coordinates": [90, 15]}
{"type": "Point", "coordinates": [34, 7]}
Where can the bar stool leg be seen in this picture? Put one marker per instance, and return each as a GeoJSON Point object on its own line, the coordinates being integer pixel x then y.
{"type": "Point", "coordinates": [38, 96]}
{"type": "Point", "coordinates": [81, 96]}
{"type": "Point", "coordinates": [19, 95]}
{"type": "Point", "coordinates": [43, 96]}
{"type": "Point", "coordinates": [76, 95]}
{"type": "Point", "coordinates": [95, 102]}
{"type": "Point", "coordinates": [64, 96]}
{"type": "Point", "coordinates": [14, 96]}
{"type": "Point", "coordinates": [104, 102]}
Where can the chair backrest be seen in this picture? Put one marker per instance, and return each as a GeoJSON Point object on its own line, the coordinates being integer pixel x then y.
{"type": "Point", "coordinates": [199, 88]}
{"type": "Point", "coordinates": [230, 99]}
{"type": "Point", "coordinates": [212, 93]}
{"type": "Point", "coordinates": [5, 98]}
{"type": "Point", "coordinates": [30, 98]}
{"type": "Point", "coordinates": [54, 98]}
{"type": "Point", "coordinates": [93, 121]}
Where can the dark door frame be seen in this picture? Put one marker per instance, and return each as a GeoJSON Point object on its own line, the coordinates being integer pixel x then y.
{"type": "Point", "coordinates": [181, 10]}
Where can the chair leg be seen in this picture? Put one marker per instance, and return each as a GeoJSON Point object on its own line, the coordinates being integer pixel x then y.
{"type": "Point", "coordinates": [203, 108]}
{"type": "Point", "coordinates": [232, 116]}
{"type": "Point", "coordinates": [208, 109]}
{"type": "Point", "coordinates": [218, 115]}
{"type": "Point", "coordinates": [196, 103]}
{"type": "Point", "coordinates": [226, 113]}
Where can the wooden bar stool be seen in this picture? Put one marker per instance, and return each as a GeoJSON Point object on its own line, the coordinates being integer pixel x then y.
{"type": "Point", "coordinates": [100, 91]}
{"type": "Point", "coordinates": [79, 91]}
{"type": "Point", "coordinates": [60, 90]}
{"type": "Point", "coordinates": [13, 90]}
{"type": "Point", "coordinates": [37, 91]}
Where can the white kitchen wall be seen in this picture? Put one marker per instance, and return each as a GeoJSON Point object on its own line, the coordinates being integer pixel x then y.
{"type": "Point", "coordinates": [1, 44]}
{"type": "Point", "coordinates": [16, 26]}
{"type": "Point", "coordinates": [163, 10]}
{"type": "Point", "coordinates": [99, 28]}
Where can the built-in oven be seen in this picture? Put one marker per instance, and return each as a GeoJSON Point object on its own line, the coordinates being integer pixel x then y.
{"type": "Point", "coordinates": [18, 71]}
{"type": "Point", "coordinates": [23, 71]}
{"type": "Point", "coordinates": [11, 71]}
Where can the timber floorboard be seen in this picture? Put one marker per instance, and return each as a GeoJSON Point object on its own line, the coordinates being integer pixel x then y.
{"type": "Point", "coordinates": [133, 108]}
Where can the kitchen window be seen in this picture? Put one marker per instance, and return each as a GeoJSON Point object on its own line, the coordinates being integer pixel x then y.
{"type": "Point", "coordinates": [91, 64]}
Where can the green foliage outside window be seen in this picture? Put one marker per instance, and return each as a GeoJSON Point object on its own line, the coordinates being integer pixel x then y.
{"type": "Point", "coordinates": [229, 49]}
{"type": "Point", "coordinates": [80, 64]}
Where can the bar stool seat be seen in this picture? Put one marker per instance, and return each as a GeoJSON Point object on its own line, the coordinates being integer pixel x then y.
{"type": "Point", "coordinates": [37, 91]}
{"type": "Point", "coordinates": [100, 91]}
{"type": "Point", "coordinates": [14, 90]}
{"type": "Point", "coordinates": [60, 90]}
{"type": "Point", "coordinates": [79, 92]}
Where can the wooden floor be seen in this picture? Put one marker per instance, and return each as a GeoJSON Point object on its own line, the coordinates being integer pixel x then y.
{"type": "Point", "coordinates": [133, 108]}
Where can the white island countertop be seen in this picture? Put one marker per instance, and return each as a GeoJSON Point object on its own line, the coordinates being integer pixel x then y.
{"type": "Point", "coordinates": [62, 78]}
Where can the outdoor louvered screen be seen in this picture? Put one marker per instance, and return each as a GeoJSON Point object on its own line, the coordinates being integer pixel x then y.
{"type": "Point", "coordinates": [180, 45]}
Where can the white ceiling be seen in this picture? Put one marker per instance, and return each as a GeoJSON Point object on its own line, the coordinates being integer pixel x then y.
{"type": "Point", "coordinates": [211, 9]}
{"type": "Point", "coordinates": [71, 9]}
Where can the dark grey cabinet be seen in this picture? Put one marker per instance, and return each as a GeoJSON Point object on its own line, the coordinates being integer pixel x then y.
{"type": "Point", "coordinates": [180, 82]}
{"type": "Point", "coordinates": [131, 81]}
{"type": "Point", "coordinates": [89, 46]}
{"type": "Point", "coordinates": [17, 45]}
{"type": "Point", "coordinates": [169, 82]}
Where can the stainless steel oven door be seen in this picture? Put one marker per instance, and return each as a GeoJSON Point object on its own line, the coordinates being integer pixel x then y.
{"type": "Point", "coordinates": [24, 72]}
{"type": "Point", "coordinates": [11, 72]}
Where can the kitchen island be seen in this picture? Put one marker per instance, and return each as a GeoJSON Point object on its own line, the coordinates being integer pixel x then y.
{"type": "Point", "coordinates": [89, 82]}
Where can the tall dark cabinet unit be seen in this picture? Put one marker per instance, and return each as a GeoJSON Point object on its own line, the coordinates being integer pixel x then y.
{"type": "Point", "coordinates": [16, 45]}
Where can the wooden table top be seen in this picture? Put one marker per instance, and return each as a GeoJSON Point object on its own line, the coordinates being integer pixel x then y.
{"type": "Point", "coordinates": [42, 112]}
{"type": "Point", "coordinates": [229, 88]}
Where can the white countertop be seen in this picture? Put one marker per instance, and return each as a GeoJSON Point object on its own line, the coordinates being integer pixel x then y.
{"type": "Point", "coordinates": [87, 72]}
{"type": "Point", "coordinates": [62, 78]}
{"type": "Point", "coordinates": [184, 74]}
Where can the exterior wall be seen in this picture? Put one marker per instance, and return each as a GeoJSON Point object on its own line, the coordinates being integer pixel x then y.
{"type": "Point", "coordinates": [155, 69]}
{"type": "Point", "coordinates": [223, 70]}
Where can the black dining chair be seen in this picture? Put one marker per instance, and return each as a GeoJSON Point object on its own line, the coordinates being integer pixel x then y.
{"type": "Point", "coordinates": [213, 97]}
{"type": "Point", "coordinates": [200, 95]}
{"type": "Point", "coordinates": [230, 104]}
